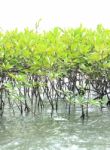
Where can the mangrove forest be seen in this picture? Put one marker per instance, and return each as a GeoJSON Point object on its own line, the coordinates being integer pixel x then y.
{"type": "Point", "coordinates": [69, 66]}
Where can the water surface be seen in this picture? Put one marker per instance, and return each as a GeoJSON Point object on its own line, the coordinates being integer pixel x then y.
{"type": "Point", "coordinates": [60, 132]}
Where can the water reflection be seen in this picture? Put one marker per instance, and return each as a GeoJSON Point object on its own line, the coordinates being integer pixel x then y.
{"type": "Point", "coordinates": [58, 132]}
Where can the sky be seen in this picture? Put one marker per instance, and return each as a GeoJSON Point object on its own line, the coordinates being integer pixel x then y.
{"type": "Point", "coordinates": [63, 13]}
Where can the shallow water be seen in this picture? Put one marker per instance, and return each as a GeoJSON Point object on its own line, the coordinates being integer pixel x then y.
{"type": "Point", "coordinates": [59, 132]}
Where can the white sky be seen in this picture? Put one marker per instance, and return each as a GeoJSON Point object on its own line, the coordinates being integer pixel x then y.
{"type": "Point", "coordinates": [63, 13]}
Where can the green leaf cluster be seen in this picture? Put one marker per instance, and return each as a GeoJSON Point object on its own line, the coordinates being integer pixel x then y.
{"type": "Point", "coordinates": [56, 52]}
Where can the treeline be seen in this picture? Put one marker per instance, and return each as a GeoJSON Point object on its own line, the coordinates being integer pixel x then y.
{"type": "Point", "coordinates": [72, 65]}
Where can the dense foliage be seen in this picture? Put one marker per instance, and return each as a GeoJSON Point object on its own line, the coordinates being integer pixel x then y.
{"type": "Point", "coordinates": [61, 64]}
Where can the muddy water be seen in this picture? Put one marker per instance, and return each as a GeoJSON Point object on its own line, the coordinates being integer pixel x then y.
{"type": "Point", "coordinates": [58, 132]}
